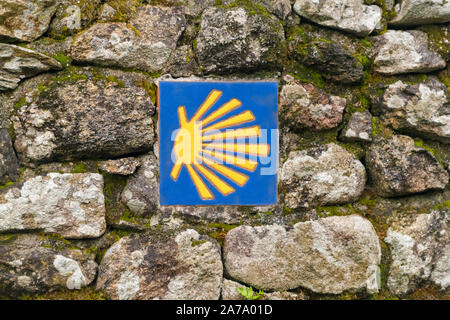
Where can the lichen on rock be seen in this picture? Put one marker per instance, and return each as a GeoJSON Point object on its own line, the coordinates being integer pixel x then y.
{"type": "Point", "coordinates": [183, 265]}
{"type": "Point", "coordinates": [328, 255]}
{"type": "Point", "coordinates": [145, 43]}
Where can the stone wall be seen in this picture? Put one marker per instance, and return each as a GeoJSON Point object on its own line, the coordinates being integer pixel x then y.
{"type": "Point", "coordinates": [363, 208]}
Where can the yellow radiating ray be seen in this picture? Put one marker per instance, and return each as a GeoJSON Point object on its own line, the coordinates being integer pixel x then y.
{"type": "Point", "coordinates": [241, 118]}
{"type": "Point", "coordinates": [247, 148]}
{"type": "Point", "coordinates": [239, 178]}
{"type": "Point", "coordinates": [227, 107]}
{"type": "Point", "coordinates": [176, 170]}
{"type": "Point", "coordinates": [231, 134]}
{"type": "Point", "coordinates": [202, 189]}
{"type": "Point", "coordinates": [182, 119]}
{"type": "Point", "coordinates": [218, 183]}
{"type": "Point", "coordinates": [240, 162]}
{"type": "Point", "coordinates": [212, 98]}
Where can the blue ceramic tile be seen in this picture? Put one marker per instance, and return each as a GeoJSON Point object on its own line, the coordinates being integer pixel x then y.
{"type": "Point", "coordinates": [218, 143]}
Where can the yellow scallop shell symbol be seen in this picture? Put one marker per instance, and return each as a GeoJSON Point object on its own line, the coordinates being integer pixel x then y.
{"type": "Point", "coordinates": [198, 137]}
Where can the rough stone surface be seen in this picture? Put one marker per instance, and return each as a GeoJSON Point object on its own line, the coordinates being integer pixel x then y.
{"type": "Point", "coordinates": [348, 15]}
{"type": "Point", "coordinates": [141, 193]}
{"type": "Point", "coordinates": [72, 15]}
{"type": "Point", "coordinates": [420, 251]}
{"type": "Point", "coordinates": [25, 20]}
{"type": "Point", "coordinates": [358, 128]}
{"type": "Point", "coordinates": [397, 167]}
{"type": "Point", "coordinates": [84, 118]}
{"type": "Point", "coordinates": [194, 7]}
{"type": "Point", "coordinates": [305, 106]}
{"type": "Point", "coordinates": [17, 63]}
{"type": "Point", "coordinates": [416, 12]}
{"type": "Point", "coordinates": [325, 175]}
{"type": "Point", "coordinates": [405, 52]}
{"type": "Point", "coordinates": [229, 292]}
{"type": "Point", "coordinates": [124, 166]}
{"type": "Point", "coordinates": [334, 62]}
{"type": "Point", "coordinates": [31, 264]}
{"type": "Point", "coordinates": [328, 255]}
{"type": "Point", "coordinates": [184, 265]}
{"type": "Point", "coordinates": [422, 109]}
{"type": "Point", "coordinates": [235, 39]}
{"type": "Point", "coordinates": [145, 43]}
{"type": "Point", "coordinates": [9, 166]}
{"type": "Point", "coordinates": [182, 63]}
{"type": "Point", "coordinates": [71, 205]}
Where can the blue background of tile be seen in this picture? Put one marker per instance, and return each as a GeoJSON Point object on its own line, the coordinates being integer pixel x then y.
{"type": "Point", "coordinates": [259, 97]}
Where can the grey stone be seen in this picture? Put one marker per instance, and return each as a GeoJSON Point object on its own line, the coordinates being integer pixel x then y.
{"type": "Point", "coordinates": [328, 255]}
{"type": "Point", "coordinates": [145, 43]}
{"type": "Point", "coordinates": [182, 63]}
{"type": "Point", "coordinates": [31, 264]}
{"type": "Point", "coordinates": [305, 106]}
{"type": "Point", "coordinates": [194, 7]}
{"type": "Point", "coordinates": [180, 265]}
{"type": "Point", "coordinates": [141, 193]}
{"type": "Point", "coordinates": [25, 20]}
{"type": "Point", "coordinates": [324, 175]}
{"type": "Point", "coordinates": [72, 16]}
{"type": "Point", "coordinates": [405, 52]}
{"type": "Point", "coordinates": [417, 12]}
{"type": "Point", "coordinates": [397, 167]}
{"type": "Point", "coordinates": [420, 251]}
{"type": "Point", "coordinates": [422, 109]}
{"type": "Point", "coordinates": [348, 15]}
{"type": "Point", "coordinates": [71, 205]}
{"type": "Point", "coordinates": [17, 63]}
{"type": "Point", "coordinates": [329, 57]}
{"type": "Point", "coordinates": [78, 118]}
{"type": "Point", "coordinates": [9, 166]}
{"type": "Point", "coordinates": [358, 128]}
{"type": "Point", "coordinates": [234, 39]}
{"type": "Point", "coordinates": [123, 166]}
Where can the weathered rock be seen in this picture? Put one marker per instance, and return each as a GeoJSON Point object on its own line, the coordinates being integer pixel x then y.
{"type": "Point", "coordinates": [305, 106]}
{"type": "Point", "coordinates": [72, 15]}
{"type": "Point", "coordinates": [280, 8]}
{"type": "Point", "coordinates": [420, 251]}
{"type": "Point", "coordinates": [182, 63]}
{"type": "Point", "coordinates": [236, 39]}
{"type": "Point", "coordinates": [17, 63]}
{"type": "Point", "coordinates": [397, 167]}
{"type": "Point", "coordinates": [194, 7]}
{"type": "Point", "coordinates": [71, 205]}
{"type": "Point", "coordinates": [230, 292]}
{"type": "Point", "coordinates": [25, 20]}
{"type": "Point", "coordinates": [416, 12]}
{"type": "Point", "coordinates": [329, 57]}
{"type": "Point", "coordinates": [145, 43]}
{"type": "Point", "coordinates": [404, 52]}
{"type": "Point", "coordinates": [358, 128]}
{"type": "Point", "coordinates": [82, 118]}
{"type": "Point", "coordinates": [9, 166]}
{"type": "Point", "coordinates": [325, 175]}
{"type": "Point", "coordinates": [124, 166]}
{"type": "Point", "coordinates": [31, 264]}
{"type": "Point", "coordinates": [328, 255]}
{"type": "Point", "coordinates": [141, 194]}
{"type": "Point", "coordinates": [348, 15]}
{"type": "Point", "coordinates": [422, 109]}
{"type": "Point", "coordinates": [106, 12]}
{"type": "Point", "coordinates": [184, 265]}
